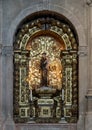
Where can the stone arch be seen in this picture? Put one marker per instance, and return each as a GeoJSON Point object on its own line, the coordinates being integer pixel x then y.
{"type": "Point", "coordinates": [43, 23]}
{"type": "Point", "coordinates": [69, 15]}
{"type": "Point", "coordinates": [58, 9]}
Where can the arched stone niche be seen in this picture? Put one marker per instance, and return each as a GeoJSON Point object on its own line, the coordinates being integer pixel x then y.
{"type": "Point", "coordinates": [51, 34]}
{"type": "Point", "coordinates": [7, 52]}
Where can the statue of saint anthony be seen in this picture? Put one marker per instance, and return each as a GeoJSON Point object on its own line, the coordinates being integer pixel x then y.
{"type": "Point", "coordinates": [44, 70]}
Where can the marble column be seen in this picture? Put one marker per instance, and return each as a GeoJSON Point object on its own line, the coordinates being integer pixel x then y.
{"type": "Point", "coordinates": [83, 69]}
{"type": "Point", "coordinates": [89, 12]}
{"type": "Point", "coordinates": [1, 112]}
{"type": "Point", "coordinates": [88, 120]}
{"type": "Point", "coordinates": [8, 54]}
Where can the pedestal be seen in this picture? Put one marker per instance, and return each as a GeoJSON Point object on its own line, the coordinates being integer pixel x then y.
{"type": "Point", "coordinates": [46, 126]}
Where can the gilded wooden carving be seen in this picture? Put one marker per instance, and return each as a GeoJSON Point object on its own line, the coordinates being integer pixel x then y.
{"type": "Point", "coordinates": [51, 93]}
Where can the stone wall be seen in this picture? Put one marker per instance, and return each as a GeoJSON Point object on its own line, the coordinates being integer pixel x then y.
{"type": "Point", "coordinates": [11, 10]}
{"type": "Point", "coordinates": [12, 13]}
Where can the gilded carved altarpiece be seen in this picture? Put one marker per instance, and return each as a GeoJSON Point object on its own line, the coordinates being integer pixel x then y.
{"type": "Point", "coordinates": [58, 98]}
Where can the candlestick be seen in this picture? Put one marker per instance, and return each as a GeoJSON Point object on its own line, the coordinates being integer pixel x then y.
{"type": "Point", "coordinates": [62, 94]}
{"type": "Point", "coordinates": [31, 94]}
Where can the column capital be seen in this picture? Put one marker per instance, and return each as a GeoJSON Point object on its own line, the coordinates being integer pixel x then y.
{"type": "Point", "coordinates": [83, 51]}
{"type": "Point", "coordinates": [89, 93]}
{"type": "Point", "coordinates": [0, 49]}
{"type": "Point", "coordinates": [7, 50]}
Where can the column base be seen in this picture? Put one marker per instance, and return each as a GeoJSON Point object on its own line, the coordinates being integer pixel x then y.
{"type": "Point", "coordinates": [62, 120]}
{"type": "Point", "coordinates": [31, 121]}
{"type": "Point", "coordinates": [1, 123]}
{"type": "Point", "coordinates": [81, 122]}
{"type": "Point", "coordinates": [88, 116]}
{"type": "Point", "coordinates": [88, 121]}
{"type": "Point", "coordinates": [9, 124]}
